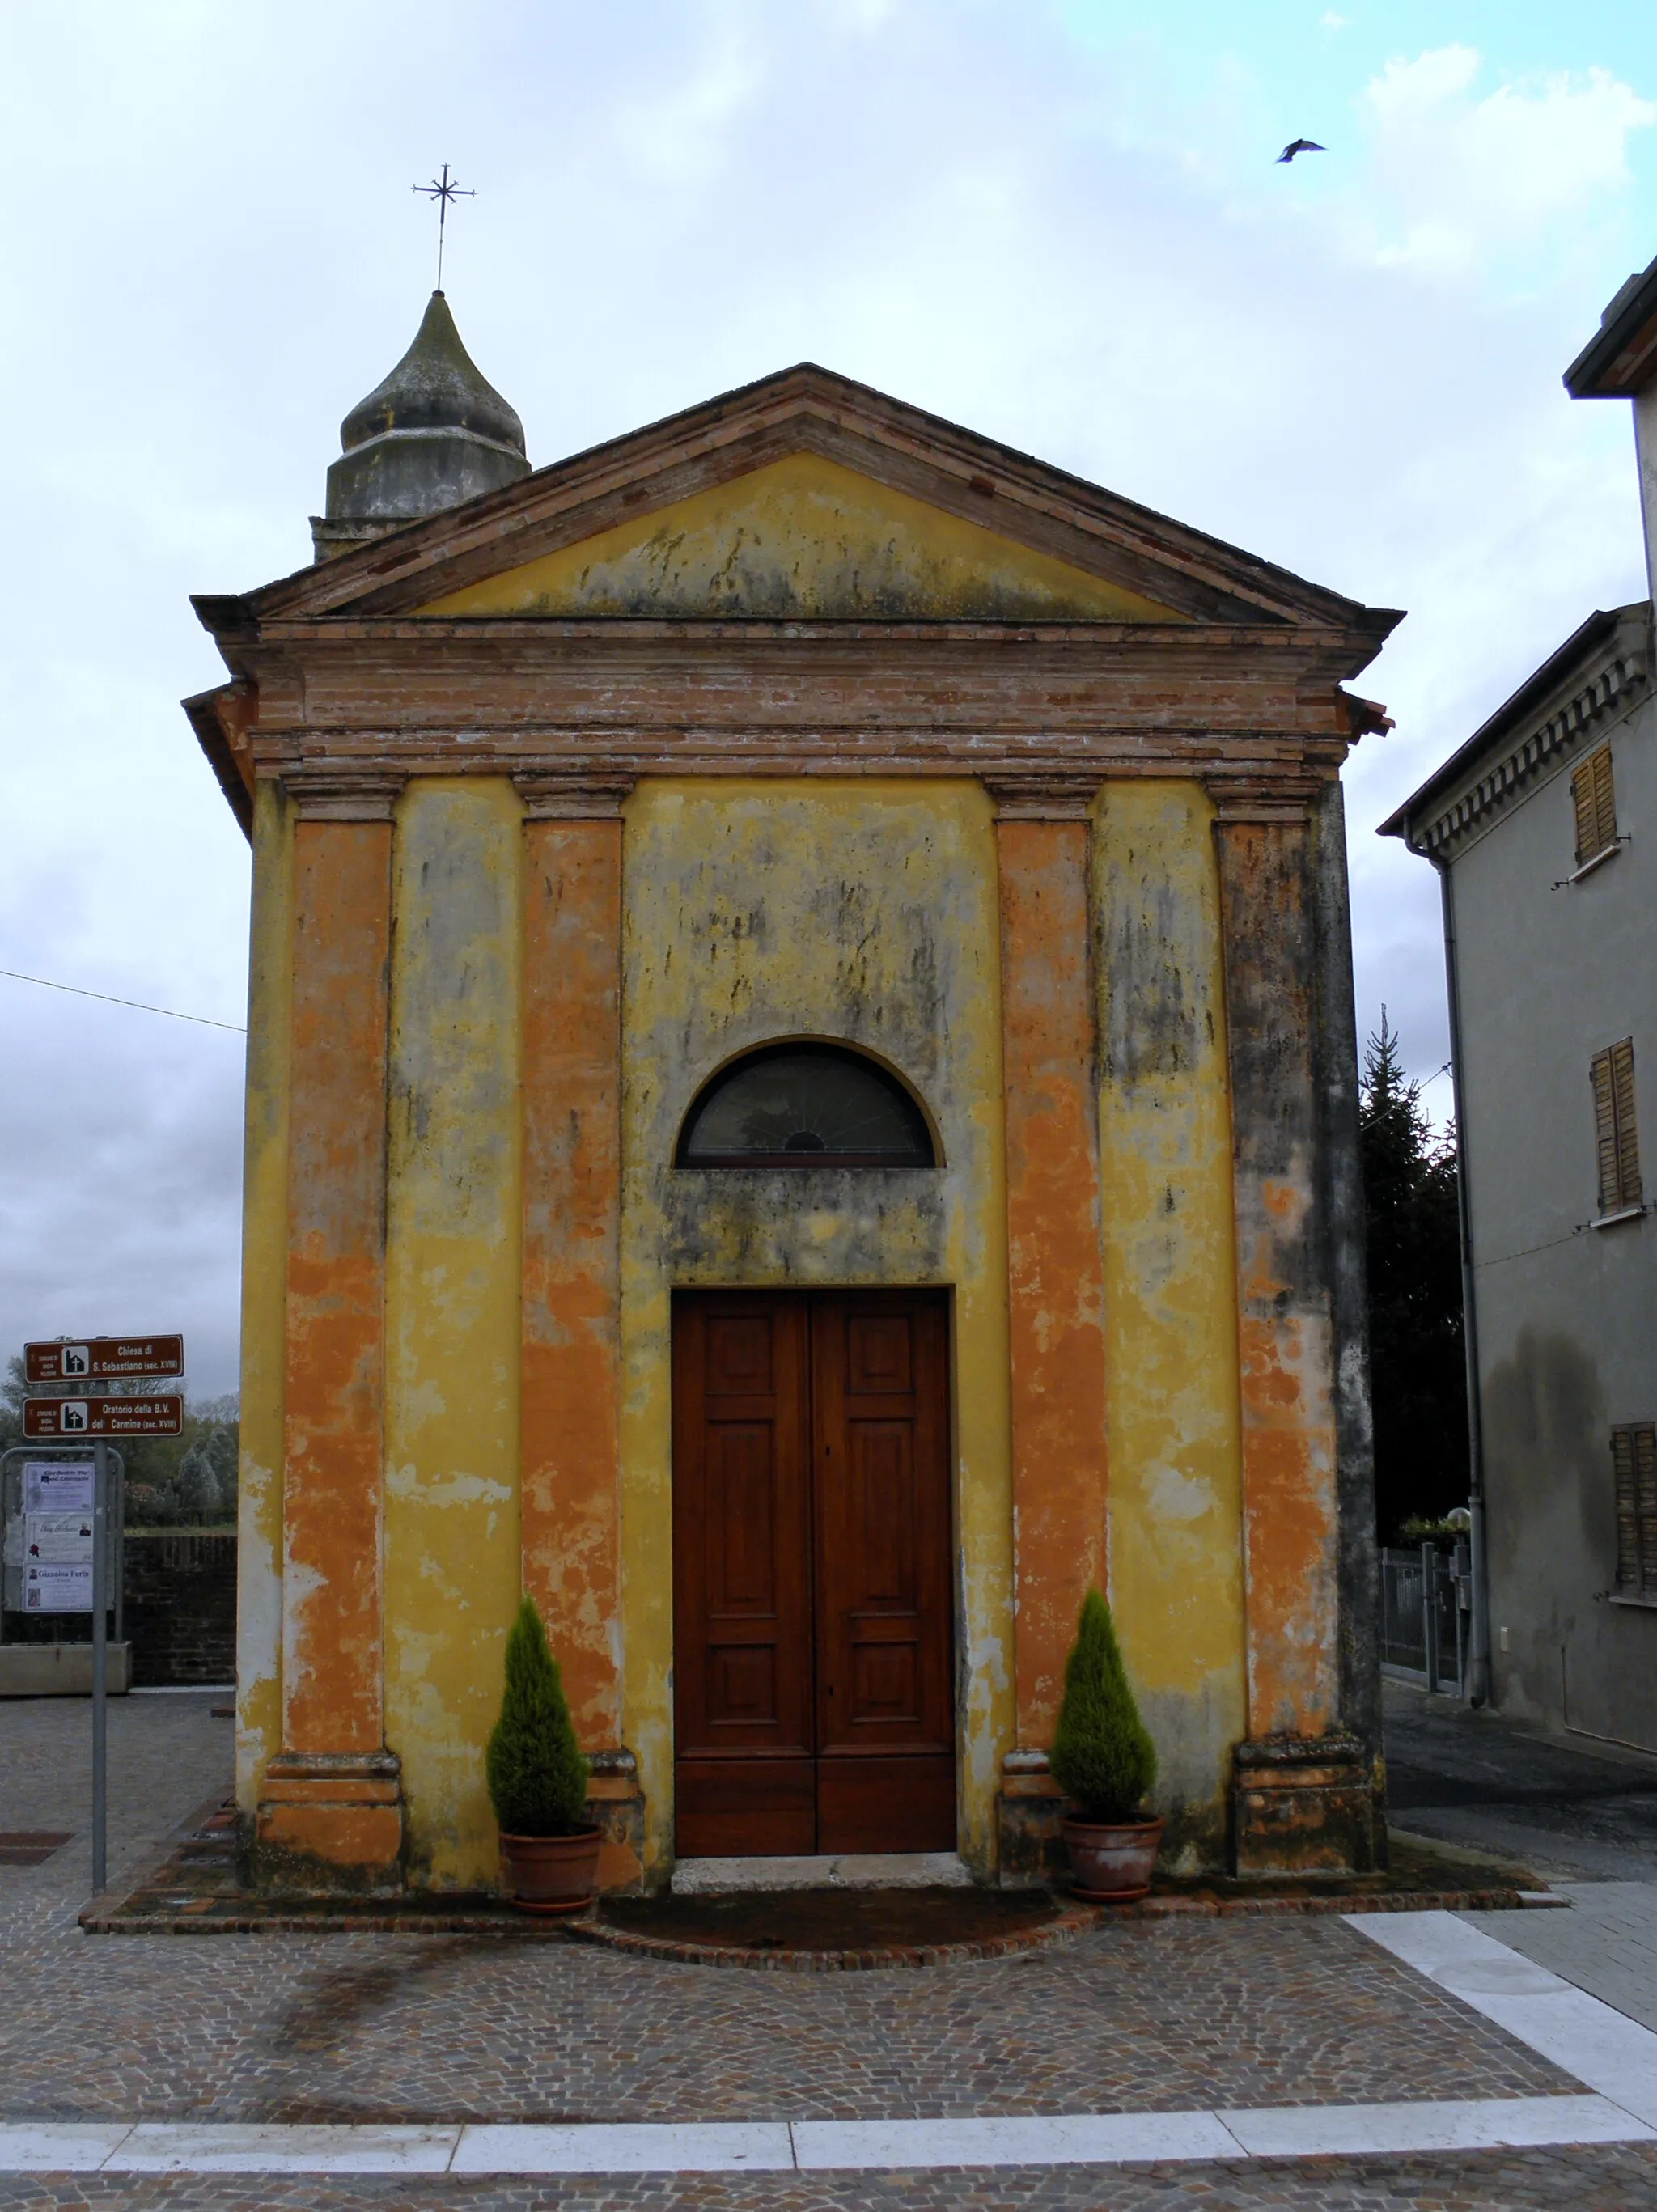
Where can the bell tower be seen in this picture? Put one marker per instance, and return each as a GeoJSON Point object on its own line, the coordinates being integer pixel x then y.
{"type": "Point", "coordinates": [434, 433]}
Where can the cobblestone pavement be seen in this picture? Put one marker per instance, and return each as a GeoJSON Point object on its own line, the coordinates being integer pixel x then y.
{"type": "Point", "coordinates": [166, 1755]}
{"type": "Point", "coordinates": [1620, 2178]}
{"type": "Point", "coordinates": [1606, 1944]}
{"type": "Point", "coordinates": [1140, 2016]}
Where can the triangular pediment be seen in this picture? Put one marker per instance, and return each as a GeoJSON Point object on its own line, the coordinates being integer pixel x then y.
{"type": "Point", "coordinates": [804, 498]}
{"type": "Point", "coordinates": [803, 538]}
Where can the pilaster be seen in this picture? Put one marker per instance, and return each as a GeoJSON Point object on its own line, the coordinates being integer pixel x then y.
{"type": "Point", "coordinates": [1302, 1790]}
{"type": "Point", "coordinates": [1055, 1271]}
{"type": "Point", "coordinates": [331, 1812]}
{"type": "Point", "coordinates": [571, 1377]}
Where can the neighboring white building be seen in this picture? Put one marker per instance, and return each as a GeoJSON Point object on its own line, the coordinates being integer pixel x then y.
{"type": "Point", "coordinates": [1543, 827]}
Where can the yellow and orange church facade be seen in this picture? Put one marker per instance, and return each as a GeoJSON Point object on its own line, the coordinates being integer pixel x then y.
{"type": "Point", "coordinates": [801, 1110]}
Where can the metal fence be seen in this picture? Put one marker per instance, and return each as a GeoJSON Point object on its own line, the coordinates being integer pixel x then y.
{"type": "Point", "coordinates": [1426, 1602]}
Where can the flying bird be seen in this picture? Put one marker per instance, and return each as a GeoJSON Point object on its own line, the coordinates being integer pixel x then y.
{"type": "Point", "coordinates": [1301, 146]}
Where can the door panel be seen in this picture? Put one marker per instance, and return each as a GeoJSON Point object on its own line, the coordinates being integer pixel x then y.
{"type": "Point", "coordinates": [813, 1641]}
{"type": "Point", "coordinates": [881, 1585]}
{"type": "Point", "coordinates": [743, 1659]}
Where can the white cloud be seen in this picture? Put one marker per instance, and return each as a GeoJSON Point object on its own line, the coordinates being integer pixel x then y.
{"type": "Point", "coordinates": [1470, 176]}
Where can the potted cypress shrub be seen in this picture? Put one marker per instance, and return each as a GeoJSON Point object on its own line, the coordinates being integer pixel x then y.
{"type": "Point", "coordinates": [537, 1779]}
{"type": "Point", "coordinates": [1104, 1761]}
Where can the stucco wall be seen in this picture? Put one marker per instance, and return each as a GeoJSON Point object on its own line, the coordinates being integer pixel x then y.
{"type": "Point", "coordinates": [1549, 976]}
{"type": "Point", "coordinates": [865, 911]}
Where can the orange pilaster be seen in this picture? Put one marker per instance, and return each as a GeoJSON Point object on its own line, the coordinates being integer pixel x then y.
{"type": "Point", "coordinates": [1055, 1256]}
{"type": "Point", "coordinates": [332, 1799]}
{"type": "Point", "coordinates": [571, 1391]}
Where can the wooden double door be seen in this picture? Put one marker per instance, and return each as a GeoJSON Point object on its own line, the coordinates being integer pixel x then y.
{"type": "Point", "coordinates": [812, 1632]}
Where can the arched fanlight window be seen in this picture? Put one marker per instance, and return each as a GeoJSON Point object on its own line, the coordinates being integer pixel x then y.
{"type": "Point", "coordinates": [805, 1106]}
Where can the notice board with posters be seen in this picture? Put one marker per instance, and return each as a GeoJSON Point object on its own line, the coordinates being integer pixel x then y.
{"type": "Point", "coordinates": [46, 1534]}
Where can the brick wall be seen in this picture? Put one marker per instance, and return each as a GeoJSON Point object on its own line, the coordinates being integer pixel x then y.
{"type": "Point", "coordinates": [181, 1606]}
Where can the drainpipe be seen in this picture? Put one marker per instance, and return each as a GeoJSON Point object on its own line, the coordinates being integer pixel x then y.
{"type": "Point", "coordinates": [1478, 1657]}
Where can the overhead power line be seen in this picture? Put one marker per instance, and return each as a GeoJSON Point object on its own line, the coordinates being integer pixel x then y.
{"type": "Point", "coordinates": [205, 1021]}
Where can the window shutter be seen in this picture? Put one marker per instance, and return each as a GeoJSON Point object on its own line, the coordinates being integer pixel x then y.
{"type": "Point", "coordinates": [1593, 795]}
{"type": "Point", "coordinates": [1628, 1513]}
{"type": "Point", "coordinates": [1628, 1138]}
{"type": "Point", "coordinates": [1604, 1131]}
{"type": "Point", "coordinates": [1634, 1468]}
{"type": "Point", "coordinates": [1605, 801]}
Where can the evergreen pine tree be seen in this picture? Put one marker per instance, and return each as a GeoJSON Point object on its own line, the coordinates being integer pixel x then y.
{"type": "Point", "coordinates": [537, 1774]}
{"type": "Point", "coordinates": [1103, 1758]}
{"type": "Point", "coordinates": [1417, 1375]}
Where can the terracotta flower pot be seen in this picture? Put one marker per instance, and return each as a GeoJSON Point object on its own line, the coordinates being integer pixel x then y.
{"type": "Point", "coordinates": [1110, 1861]}
{"type": "Point", "coordinates": [552, 1874]}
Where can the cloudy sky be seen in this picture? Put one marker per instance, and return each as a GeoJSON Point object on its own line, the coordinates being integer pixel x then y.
{"type": "Point", "coordinates": [1061, 224]}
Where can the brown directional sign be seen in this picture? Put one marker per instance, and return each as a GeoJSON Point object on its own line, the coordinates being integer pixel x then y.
{"type": "Point", "coordinates": [108, 1358]}
{"type": "Point", "coordinates": [68, 1419]}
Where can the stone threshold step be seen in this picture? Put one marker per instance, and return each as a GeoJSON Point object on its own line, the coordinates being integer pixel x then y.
{"type": "Point", "coordinates": [843, 1870]}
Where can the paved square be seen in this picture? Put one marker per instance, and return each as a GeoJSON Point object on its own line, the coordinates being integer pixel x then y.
{"type": "Point", "coordinates": [1147, 2026]}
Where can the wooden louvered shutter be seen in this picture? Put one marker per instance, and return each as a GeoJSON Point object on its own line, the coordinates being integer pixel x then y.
{"type": "Point", "coordinates": [1593, 795]}
{"type": "Point", "coordinates": [1634, 1466]}
{"type": "Point", "coordinates": [1604, 800]}
{"type": "Point", "coordinates": [1628, 1138]}
{"type": "Point", "coordinates": [1616, 1132]}
{"type": "Point", "coordinates": [1645, 1500]}
{"type": "Point", "coordinates": [1604, 1131]}
{"type": "Point", "coordinates": [1628, 1513]}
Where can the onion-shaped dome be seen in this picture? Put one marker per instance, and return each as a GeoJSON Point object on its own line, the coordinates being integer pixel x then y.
{"type": "Point", "coordinates": [434, 433]}
{"type": "Point", "coordinates": [435, 386]}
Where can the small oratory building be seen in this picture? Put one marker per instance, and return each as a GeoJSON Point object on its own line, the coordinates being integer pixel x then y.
{"type": "Point", "coordinates": [801, 1110]}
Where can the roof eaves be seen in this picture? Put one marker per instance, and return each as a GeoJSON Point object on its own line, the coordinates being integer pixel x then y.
{"type": "Point", "coordinates": [1529, 696]}
{"type": "Point", "coordinates": [1621, 358]}
{"type": "Point", "coordinates": [206, 719]}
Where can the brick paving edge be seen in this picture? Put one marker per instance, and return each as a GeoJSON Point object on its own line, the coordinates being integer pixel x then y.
{"type": "Point", "coordinates": [1070, 1923]}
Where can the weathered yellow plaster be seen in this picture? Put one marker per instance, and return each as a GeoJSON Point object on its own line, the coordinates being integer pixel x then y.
{"type": "Point", "coordinates": [800, 538]}
{"type": "Point", "coordinates": [1165, 1135]}
{"type": "Point", "coordinates": [451, 1338]}
{"type": "Point", "coordinates": [867, 912]}
{"type": "Point", "coordinates": [263, 1309]}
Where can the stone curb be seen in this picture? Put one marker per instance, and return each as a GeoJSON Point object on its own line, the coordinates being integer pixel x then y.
{"type": "Point", "coordinates": [1411, 1900]}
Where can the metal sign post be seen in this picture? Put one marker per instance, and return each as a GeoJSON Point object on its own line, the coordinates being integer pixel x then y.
{"type": "Point", "coordinates": [99, 1660]}
{"type": "Point", "coordinates": [96, 1362]}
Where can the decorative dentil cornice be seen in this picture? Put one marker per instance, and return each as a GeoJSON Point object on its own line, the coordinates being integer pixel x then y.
{"type": "Point", "coordinates": [1614, 689]}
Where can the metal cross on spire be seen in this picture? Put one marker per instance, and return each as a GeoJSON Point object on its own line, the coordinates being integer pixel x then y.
{"type": "Point", "coordinates": [442, 192]}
